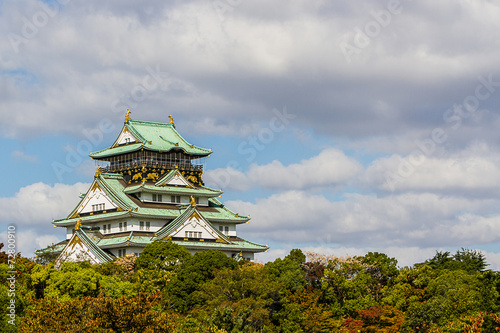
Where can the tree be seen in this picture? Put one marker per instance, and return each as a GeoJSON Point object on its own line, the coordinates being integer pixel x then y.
{"type": "Point", "coordinates": [288, 270]}
{"type": "Point", "coordinates": [465, 259]}
{"type": "Point", "coordinates": [198, 269]}
{"type": "Point", "coordinates": [241, 299]}
{"type": "Point", "coordinates": [163, 255]}
{"type": "Point", "coordinates": [303, 312]}
{"type": "Point", "coordinates": [381, 269]}
{"type": "Point", "coordinates": [379, 318]}
{"type": "Point", "coordinates": [100, 314]}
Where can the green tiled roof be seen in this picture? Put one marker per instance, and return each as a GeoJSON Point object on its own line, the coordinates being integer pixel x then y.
{"type": "Point", "coordinates": [174, 190]}
{"type": "Point", "coordinates": [91, 243]}
{"type": "Point", "coordinates": [114, 186]}
{"type": "Point", "coordinates": [235, 245]}
{"type": "Point", "coordinates": [55, 248]}
{"type": "Point", "coordinates": [161, 137]}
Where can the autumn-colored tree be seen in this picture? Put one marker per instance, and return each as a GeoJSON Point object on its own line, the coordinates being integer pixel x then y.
{"type": "Point", "coordinates": [377, 319]}
{"type": "Point", "coordinates": [302, 312]}
{"type": "Point", "coordinates": [99, 314]}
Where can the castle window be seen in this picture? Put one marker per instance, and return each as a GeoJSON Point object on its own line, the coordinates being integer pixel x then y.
{"type": "Point", "coordinates": [157, 197]}
{"type": "Point", "coordinates": [97, 207]}
{"type": "Point", "coordinates": [141, 225]}
{"type": "Point", "coordinates": [125, 226]}
{"type": "Point", "coordinates": [122, 253]}
{"type": "Point", "coordinates": [120, 225]}
{"type": "Point", "coordinates": [148, 226]}
{"type": "Point", "coordinates": [104, 229]}
{"type": "Point", "coordinates": [175, 199]}
{"type": "Point", "coordinates": [224, 230]}
{"type": "Point", "coordinates": [193, 234]}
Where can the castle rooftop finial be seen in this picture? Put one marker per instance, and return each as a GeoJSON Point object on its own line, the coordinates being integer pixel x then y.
{"type": "Point", "coordinates": [171, 122]}
{"type": "Point", "coordinates": [127, 116]}
{"type": "Point", "coordinates": [193, 202]}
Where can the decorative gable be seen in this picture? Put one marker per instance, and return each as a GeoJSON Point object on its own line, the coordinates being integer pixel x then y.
{"type": "Point", "coordinates": [76, 251]}
{"type": "Point", "coordinates": [125, 137]}
{"type": "Point", "coordinates": [175, 178]}
{"type": "Point", "coordinates": [195, 226]}
{"type": "Point", "coordinates": [191, 224]}
{"type": "Point", "coordinates": [95, 200]}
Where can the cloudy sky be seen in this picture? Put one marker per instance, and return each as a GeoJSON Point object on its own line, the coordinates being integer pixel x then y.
{"type": "Point", "coordinates": [341, 127]}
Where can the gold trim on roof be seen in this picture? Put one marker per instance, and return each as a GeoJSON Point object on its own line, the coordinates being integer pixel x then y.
{"type": "Point", "coordinates": [98, 171]}
{"type": "Point", "coordinates": [78, 224]}
{"type": "Point", "coordinates": [127, 116]}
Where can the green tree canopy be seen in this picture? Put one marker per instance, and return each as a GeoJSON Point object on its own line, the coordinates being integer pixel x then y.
{"type": "Point", "coordinates": [163, 255]}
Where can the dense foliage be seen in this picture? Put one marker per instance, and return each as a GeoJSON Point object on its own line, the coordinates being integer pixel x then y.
{"type": "Point", "coordinates": [167, 289]}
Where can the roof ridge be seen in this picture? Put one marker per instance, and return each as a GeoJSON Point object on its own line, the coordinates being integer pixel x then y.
{"type": "Point", "coordinates": [148, 122]}
{"type": "Point", "coordinates": [91, 244]}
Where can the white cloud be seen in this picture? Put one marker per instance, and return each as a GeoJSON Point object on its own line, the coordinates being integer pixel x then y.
{"type": "Point", "coordinates": [256, 58]}
{"type": "Point", "coordinates": [410, 219]}
{"type": "Point", "coordinates": [24, 157]}
{"type": "Point", "coordinates": [36, 205]}
{"type": "Point", "coordinates": [331, 167]}
{"type": "Point", "coordinates": [474, 170]}
{"type": "Point", "coordinates": [28, 241]}
{"type": "Point", "coordinates": [328, 169]}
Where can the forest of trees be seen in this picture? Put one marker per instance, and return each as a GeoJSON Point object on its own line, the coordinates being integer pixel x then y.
{"type": "Point", "coordinates": [166, 289]}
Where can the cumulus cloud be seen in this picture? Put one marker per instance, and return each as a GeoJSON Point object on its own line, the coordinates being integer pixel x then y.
{"type": "Point", "coordinates": [328, 169]}
{"type": "Point", "coordinates": [242, 64]}
{"type": "Point", "coordinates": [331, 167]}
{"type": "Point", "coordinates": [27, 241]}
{"type": "Point", "coordinates": [223, 72]}
{"type": "Point", "coordinates": [410, 219]}
{"type": "Point", "coordinates": [34, 206]}
{"type": "Point", "coordinates": [31, 211]}
{"type": "Point", "coordinates": [473, 171]}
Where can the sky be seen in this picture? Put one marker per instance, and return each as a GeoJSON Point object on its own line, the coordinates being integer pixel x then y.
{"type": "Point", "coordinates": [340, 127]}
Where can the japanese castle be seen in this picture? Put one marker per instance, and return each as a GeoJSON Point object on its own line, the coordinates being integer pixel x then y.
{"type": "Point", "coordinates": [149, 186]}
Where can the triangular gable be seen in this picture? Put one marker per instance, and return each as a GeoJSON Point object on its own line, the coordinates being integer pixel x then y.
{"type": "Point", "coordinates": [94, 196]}
{"type": "Point", "coordinates": [190, 222]}
{"type": "Point", "coordinates": [125, 137]}
{"type": "Point", "coordinates": [79, 249]}
{"type": "Point", "coordinates": [174, 178]}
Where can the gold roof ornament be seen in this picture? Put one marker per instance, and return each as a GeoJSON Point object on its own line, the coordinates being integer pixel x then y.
{"type": "Point", "coordinates": [193, 202]}
{"type": "Point", "coordinates": [171, 120]}
{"type": "Point", "coordinates": [98, 171]}
{"type": "Point", "coordinates": [78, 223]}
{"type": "Point", "coordinates": [127, 116]}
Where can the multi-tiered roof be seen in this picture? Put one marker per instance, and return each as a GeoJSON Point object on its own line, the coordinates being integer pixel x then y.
{"type": "Point", "coordinates": [149, 186]}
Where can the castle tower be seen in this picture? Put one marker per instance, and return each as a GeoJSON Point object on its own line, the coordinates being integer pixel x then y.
{"type": "Point", "coordinates": [149, 186]}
